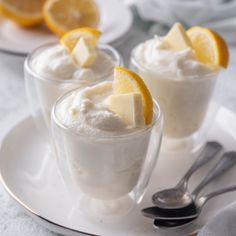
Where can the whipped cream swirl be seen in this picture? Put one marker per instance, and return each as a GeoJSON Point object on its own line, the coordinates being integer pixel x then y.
{"type": "Point", "coordinates": [56, 63]}
{"type": "Point", "coordinates": [156, 55]}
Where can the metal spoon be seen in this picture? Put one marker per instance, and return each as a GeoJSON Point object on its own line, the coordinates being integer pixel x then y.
{"type": "Point", "coordinates": [174, 224]}
{"type": "Point", "coordinates": [179, 196]}
{"type": "Point", "coordinates": [227, 161]}
{"type": "Point", "coordinates": [177, 223]}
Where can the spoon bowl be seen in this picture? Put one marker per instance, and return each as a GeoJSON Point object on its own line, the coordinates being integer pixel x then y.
{"type": "Point", "coordinates": [189, 212]}
{"type": "Point", "coordinates": [174, 224]}
{"type": "Point", "coordinates": [172, 198]}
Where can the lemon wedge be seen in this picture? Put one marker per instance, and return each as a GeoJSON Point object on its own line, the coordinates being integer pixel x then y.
{"type": "Point", "coordinates": [129, 107]}
{"type": "Point", "coordinates": [177, 38]}
{"type": "Point", "coordinates": [84, 54]}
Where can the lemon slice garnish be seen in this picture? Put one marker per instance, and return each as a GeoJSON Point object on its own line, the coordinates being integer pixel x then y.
{"type": "Point", "coordinates": [71, 38]}
{"type": "Point", "coordinates": [209, 46]}
{"type": "Point", "coordinates": [127, 81]}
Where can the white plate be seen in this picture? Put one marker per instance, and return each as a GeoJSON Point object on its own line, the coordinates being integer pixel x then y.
{"type": "Point", "coordinates": [30, 176]}
{"type": "Point", "coordinates": [116, 21]}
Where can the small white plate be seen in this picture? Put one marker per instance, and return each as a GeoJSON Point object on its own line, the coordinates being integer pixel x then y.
{"type": "Point", "coordinates": [116, 21]}
{"type": "Point", "coordinates": [30, 176]}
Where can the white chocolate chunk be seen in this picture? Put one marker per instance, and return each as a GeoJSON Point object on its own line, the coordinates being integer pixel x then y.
{"type": "Point", "coordinates": [83, 53]}
{"type": "Point", "coordinates": [128, 107]}
{"type": "Point", "coordinates": [177, 38]}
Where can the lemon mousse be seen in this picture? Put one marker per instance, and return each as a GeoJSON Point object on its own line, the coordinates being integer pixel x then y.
{"type": "Point", "coordinates": [181, 71]}
{"type": "Point", "coordinates": [64, 61]}
{"type": "Point", "coordinates": [106, 131]}
{"type": "Point", "coordinates": [77, 61]}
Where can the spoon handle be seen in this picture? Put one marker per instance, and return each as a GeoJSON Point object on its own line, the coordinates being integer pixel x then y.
{"type": "Point", "coordinates": [227, 161]}
{"type": "Point", "coordinates": [208, 153]}
{"type": "Point", "coordinates": [203, 200]}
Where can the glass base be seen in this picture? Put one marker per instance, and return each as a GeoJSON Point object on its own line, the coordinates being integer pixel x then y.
{"type": "Point", "coordinates": [104, 209]}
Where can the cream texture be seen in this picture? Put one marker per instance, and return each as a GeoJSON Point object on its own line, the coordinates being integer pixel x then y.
{"type": "Point", "coordinates": [56, 63]}
{"type": "Point", "coordinates": [87, 112]}
{"type": "Point", "coordinates": [156, 55]}
{"type": "Point", "coordinates": [179, 82]}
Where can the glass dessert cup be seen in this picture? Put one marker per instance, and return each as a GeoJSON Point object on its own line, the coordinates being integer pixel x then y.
{"type": "Point", "coordinates": [43, 91]}
{"type": "Point", "coordinates": [107, 175]}
{"type": "Point", "coordinates": [189, 106]}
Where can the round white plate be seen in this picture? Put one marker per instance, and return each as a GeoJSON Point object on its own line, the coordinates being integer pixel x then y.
{"type": "Point", "coordinates": [116, 21]}
{"type": "Point", "coordinates": [30, 176]}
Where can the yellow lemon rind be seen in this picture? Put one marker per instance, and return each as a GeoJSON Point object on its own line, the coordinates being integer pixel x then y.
{"type": "Point", "coordinates": [70, 38]}
{"type": "Point", "coordinates": [219, 47]}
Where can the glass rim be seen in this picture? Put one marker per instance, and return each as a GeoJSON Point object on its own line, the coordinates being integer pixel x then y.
{"type": "Point", "coordinates": [65, 80]}
{"type": "Point", "coordinates": [190, 78]}
{"type": "Point", "coordinates": [157, 112]}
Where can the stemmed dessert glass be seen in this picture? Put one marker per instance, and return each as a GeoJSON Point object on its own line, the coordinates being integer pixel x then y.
{"type": "Point", "coordinates": [189, 106]}
{"type": "Point", "coordinates": [111, 172]}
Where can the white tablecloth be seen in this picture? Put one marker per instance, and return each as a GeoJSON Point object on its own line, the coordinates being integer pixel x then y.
{"type": "Point", "coordinates": [13, 107]}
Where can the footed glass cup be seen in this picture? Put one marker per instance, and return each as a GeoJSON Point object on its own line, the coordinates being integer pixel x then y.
{"type": "Point", "coordinates": [189, 106]}
{"type": "Point", "coordinates": [109, 173]}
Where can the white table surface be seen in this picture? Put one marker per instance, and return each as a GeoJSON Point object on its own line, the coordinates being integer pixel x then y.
{"type": "Point", "coordinates": [13, 107]}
